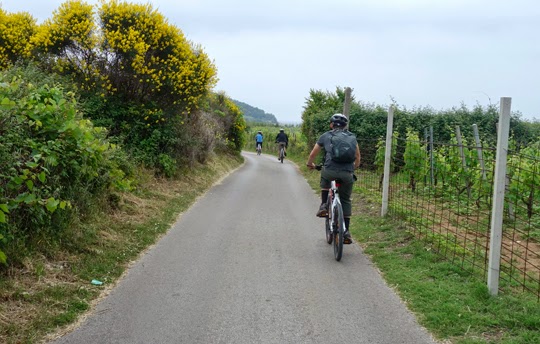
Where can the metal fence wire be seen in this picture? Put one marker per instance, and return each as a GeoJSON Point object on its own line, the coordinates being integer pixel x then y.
{"type": "Point", "coordinates": [442, 193]}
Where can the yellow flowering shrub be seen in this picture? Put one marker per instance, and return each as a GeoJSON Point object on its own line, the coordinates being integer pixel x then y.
{"type": "Point", "coordinates": [137, 74]}
{"type": "Point", "coordinates": [16, 29]}
{"type": "Point", "coordinates": [70, 33]}
{"type": "Point", "coordinates": [127, 49]}
{"type": "Point", "coordinates": [151, 59]}
{"type": "Point", "coordinates": [67, 44]}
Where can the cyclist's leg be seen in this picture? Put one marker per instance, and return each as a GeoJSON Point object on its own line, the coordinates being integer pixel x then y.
{"type": "Point", "coordinates": [325, 186]}
{"type": "Point", "coordinates": [345, 192]}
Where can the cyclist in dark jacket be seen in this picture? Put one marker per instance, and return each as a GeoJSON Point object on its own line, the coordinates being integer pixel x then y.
{"type": "Point", "coordinates": [283, 141]}
{"type": "Point", "coordinates": [334, 170]}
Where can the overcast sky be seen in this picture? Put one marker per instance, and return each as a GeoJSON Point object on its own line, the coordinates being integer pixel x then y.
{"type": "Point", "coordinates": [440, 53]}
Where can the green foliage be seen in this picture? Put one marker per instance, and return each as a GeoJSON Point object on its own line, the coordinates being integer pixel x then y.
{"type": "Point", "coordinates": [381, 152]}
{"type": "Point", "coordinates": [167, 164]}
{"type": "Point", "coordinates": [51, 159]}
{"type": "Point", "coordinates": [368, 122]}
{"type": "Point", "coordinates": [523, 172]}
{"type": "Point", "coordinates": [230, 118]}
{"type": "Point", "coordinates": [415, 158]}
{"type": "Point", "coordinates": [317, 111]}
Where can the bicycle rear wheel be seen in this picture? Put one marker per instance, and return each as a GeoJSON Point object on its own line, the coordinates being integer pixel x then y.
{"type": "Point", "coordinates": [281, 155]}
{"type": "Point", "coordinates": [339, 222]}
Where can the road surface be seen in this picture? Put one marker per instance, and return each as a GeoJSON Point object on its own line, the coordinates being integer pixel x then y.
{"type": "Point", "coordinates": [248, 263]}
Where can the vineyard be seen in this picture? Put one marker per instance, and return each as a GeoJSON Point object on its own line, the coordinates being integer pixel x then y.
{"type": "Point", "coordinates": [442, 193]}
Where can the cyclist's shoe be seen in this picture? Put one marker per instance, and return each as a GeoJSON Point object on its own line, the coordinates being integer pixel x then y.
{"type": "Point", "coordinates": [285, 153]}
{"type": "Point", "coordinates": [323, 210]}
{"type": "Point", "coordinates": [347, 238]}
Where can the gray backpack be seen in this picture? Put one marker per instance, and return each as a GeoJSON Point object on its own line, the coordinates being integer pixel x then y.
{"type": "Point", "coordinates": [343, 146]}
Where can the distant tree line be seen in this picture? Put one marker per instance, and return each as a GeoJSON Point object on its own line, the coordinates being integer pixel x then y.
{"type": "Point", "coordinates": [254, 114]}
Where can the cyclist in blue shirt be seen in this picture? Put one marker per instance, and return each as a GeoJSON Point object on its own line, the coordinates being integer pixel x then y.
{"type": "Point", "coordinates": [259, 140]}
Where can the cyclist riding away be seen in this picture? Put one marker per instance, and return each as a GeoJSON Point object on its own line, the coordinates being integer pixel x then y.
{"type": "Point", "coordinates": [334, 169]}
{"type": "Point", "coordinates": [283, 141]}
{"type": "Point", "coordinates": [259, 140]}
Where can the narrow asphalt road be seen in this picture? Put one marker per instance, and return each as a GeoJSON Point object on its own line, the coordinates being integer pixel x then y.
{"type": "Point", "coordinates": [248, 263]}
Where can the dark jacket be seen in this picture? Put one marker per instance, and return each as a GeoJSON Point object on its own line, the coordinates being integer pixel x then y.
{"type": "Point", "coordinates": [282, 137]}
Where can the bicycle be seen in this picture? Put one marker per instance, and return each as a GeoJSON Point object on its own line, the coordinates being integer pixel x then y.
{"type": "Point", "coordinates": [335, 221]}
{"type": "Point", "coordinates": [259, 148]}
{"type": "Point", "coordinates": [281, 153]}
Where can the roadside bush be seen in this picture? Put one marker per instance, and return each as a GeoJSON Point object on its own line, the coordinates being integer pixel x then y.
{"type": "Point", "coordinates": [138, 75]}
{"type": "Point", "coordinates": [231, 119]}
{"type": "Point", "coordinates": [53, 163]}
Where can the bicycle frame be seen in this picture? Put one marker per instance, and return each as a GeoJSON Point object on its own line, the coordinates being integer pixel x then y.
{"type": "Point", "coordinates": [334, 196]}
{"type": "Point", "coordinates": [335, 222]}
{"type": "Point", "coordinates": [281, 154]}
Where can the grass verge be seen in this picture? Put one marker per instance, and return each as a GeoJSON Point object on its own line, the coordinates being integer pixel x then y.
{"type": "Point", "coordinates": [46, 296]}
{"type": "Point", "coordinates": [453, 305]}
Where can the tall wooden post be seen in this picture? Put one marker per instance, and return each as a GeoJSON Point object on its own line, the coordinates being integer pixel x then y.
{"type": "Point", "coordinates": [387, 161]}
{"type": "Point", "coordinates": [347, 102]}
{"type": "Point", "coordinates": [495, 240]}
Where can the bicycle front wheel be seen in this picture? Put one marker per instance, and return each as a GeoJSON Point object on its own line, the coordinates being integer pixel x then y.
{"type": "Point", "coordinates": [339, 222]}
{"type": "Point", "coordinates": [329, 234]}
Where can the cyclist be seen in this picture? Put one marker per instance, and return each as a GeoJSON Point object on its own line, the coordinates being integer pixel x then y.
{"type": "Point", "coordinates": [283, 141]}
{"type": "Point", "coordinates": [259, 140]}
{"type": "Point", "coordinates": [334, 170]}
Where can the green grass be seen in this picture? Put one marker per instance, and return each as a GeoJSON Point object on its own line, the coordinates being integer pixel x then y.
{"type": "Point", "coordinates": [452, 304]}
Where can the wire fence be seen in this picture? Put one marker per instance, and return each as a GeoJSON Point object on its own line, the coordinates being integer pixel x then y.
{"type": "Point", "coordinates": [442, 193]}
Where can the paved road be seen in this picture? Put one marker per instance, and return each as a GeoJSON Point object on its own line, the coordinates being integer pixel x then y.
{"type": "Point", "coordinates": [248, 263]}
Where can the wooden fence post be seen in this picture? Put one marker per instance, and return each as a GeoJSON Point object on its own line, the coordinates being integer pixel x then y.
{"type": "Point", "coordinates": [495, 241]}
{"type": "Point", "coordinates": [387, 161]}
{"type": "Point", "coordinates": [463, 159]}
{"type": "Point", "coordinates": [460, 146]}
{"type": "Point", "coordinates": [347, 102]}
{"type": "Point", "coordinates": [432, 172]}
{"type": "Point", "coordinates": [479, 150]}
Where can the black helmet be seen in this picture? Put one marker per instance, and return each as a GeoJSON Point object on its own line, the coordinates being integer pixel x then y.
{"type": "Point", "coordinates": [260, 132]}
{"type": "Point", "coordinates": [339, 120]}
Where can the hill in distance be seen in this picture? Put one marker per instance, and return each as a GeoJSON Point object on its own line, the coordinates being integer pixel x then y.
{"type": "Point", "coordinates": [253, 114]}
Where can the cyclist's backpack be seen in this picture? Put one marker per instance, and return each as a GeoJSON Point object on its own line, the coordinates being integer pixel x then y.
{"type": "Point", "coordinates": [343, 146]}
